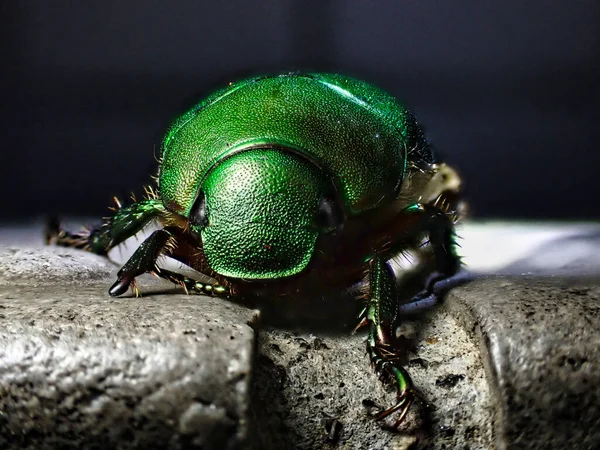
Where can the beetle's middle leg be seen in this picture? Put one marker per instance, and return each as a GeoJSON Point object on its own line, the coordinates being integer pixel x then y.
{"type": "Point", "coordinates": [191, 285]}
{"type": "Point", "coordinates": [126, 222]}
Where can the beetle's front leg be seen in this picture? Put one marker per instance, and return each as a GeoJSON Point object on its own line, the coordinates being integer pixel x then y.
{"type": "Point", "coordinates": [143, 260]}
{"type": "Point", "coordinates": [177, 244]}
{"type": "Point", "coordinates": [126, 222]}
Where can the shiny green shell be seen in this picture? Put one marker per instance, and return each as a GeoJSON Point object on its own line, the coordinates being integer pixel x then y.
{"type": "Point", "coordinates": [264, 156]}
{"type": "Point", "coordinates": [356, 133]}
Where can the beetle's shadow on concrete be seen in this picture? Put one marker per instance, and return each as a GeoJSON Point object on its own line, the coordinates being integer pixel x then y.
{"type": "Point", "coordinates": [338, 313]}
{"type": "Point", "coordinates": [334, 314]}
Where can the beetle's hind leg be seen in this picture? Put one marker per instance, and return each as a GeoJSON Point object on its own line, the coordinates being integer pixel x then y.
{"type": "Point", "coordinates": [433, 295]}
{"type": "Point", "coordinates": [380, 314]}
{"type": "Point", "coordinates": [126, 222]}
{"type": "Point", "coordinates": [441, 255]}
{"type": "Point", "coordinates": [383, 309]}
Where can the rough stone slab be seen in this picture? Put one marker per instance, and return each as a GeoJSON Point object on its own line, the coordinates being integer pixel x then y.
{"type": "Point", "coordinates": [307, 378]}
{"type": "Point", "coordinates": [79, 369]}
{"type": "Point", "coordinates": [541, 341]}
{"type": "Point", "coordinates": [538, 338]}
{"type": "Point", "coordinates": [39, 266]}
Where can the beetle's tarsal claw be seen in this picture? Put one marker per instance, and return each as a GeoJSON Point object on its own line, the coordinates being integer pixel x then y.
{"type": "Point", "coordinates": [402, 405]}
{"type": "Point", "coordinates": [120, 286]}
{"type": "Point", "coordinates": [135, 289]}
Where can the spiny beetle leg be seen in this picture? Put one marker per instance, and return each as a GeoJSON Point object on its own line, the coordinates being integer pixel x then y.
{"type": "Point", "coordinates": [381, 315]}
{"type": "Point", "coordinates": [56, 235]}
{"type": "Point", "coordinates": [191, 285]}
{"type": "Point", "coordinates": [126, 222]}
{"type": "Point", "coordinates": [143, 260]}
{"type": "Point", "coordinates": [383, 308]}
{"type": "Point", "coordinates": [438, 226]}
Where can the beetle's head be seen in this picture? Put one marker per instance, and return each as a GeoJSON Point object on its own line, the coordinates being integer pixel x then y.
{"type": "Point", "coordinates": [260, 211]}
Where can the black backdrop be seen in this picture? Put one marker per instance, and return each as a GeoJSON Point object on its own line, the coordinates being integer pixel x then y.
{"type": "Point", "coordinates": [507, 90]}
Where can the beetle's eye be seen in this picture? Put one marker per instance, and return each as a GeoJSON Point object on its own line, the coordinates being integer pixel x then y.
{"type": "Point", "coordinates": [329, 215]}
{"type": "Point", "coordinates": [198, 213]}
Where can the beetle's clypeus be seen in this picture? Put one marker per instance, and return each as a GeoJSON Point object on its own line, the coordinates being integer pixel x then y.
{"type": "Point", "coordinates": [295, 183]}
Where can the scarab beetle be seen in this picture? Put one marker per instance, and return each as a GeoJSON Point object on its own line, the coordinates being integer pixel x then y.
{"type": "Point", "coordinates": [295, 183]}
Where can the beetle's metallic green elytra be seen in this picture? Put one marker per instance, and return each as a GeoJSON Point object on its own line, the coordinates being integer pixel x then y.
{"type": "Point", "coordinates": [290, 185]}
{"type": "Point", "coordinates": [328, 133]}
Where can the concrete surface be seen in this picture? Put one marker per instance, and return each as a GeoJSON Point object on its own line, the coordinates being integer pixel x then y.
{"type": "Point", "coordinates": [79, 369]}
{"type": "Point", "coordinates": [540, 338]}
{"type": "Point", "coordinates": [307, 381]}
{"type": "Point", "coordinates": [505, 362]}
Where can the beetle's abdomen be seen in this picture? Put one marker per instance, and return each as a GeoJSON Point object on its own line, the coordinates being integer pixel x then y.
{"type": "Point", "coordinates": [358, 135]}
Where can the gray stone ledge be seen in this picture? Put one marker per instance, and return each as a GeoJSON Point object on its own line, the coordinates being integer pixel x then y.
{"type": "Point", "coordinates": [39, 266]}
{"type": "Point", "coordinates": [79, 369]}
{"type": "Point", "coordinates": [540, 338]}
{"type": "Point", "coordinates": [506, 362]}
{"type": "Point", "coordinates": [309, 379]}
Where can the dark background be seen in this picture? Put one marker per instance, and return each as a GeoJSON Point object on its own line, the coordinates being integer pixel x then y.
{"type": "Point", "coordinates": [508, 90]}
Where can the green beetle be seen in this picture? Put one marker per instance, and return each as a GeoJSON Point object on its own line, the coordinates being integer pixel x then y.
{"type": "Point", "coordinates": [295, 183]}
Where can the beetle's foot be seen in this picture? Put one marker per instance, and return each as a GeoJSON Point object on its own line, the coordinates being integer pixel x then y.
{"type": "Point", "coordinates": [212, 289]}
{"type": "Point", "coordinates": [122, 284]}
{"type": "Point", "coordinates": [405, 394]}
{"type": "Point", "coordinates": [385, 361]}
{"type": "Point", "coordinates": [191, 285]}
{"type": "Point", "coordinates": [403, 405]}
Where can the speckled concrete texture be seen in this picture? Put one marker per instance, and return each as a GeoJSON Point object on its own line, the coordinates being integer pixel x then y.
{"type": "Point", "coordinates": [306, 383]}
{"type": "Point", "coordinates": [50, 265]}
{"type": "Point", "coordinates": [79, 369]}
{"type": "Point", "coordinates": [505, 362]}
{"type": "Point", "coordinates": [541, 342]}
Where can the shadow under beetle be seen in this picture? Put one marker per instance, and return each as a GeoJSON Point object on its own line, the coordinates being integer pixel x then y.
{"type": "Point", "coordinates": [295, 184]}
